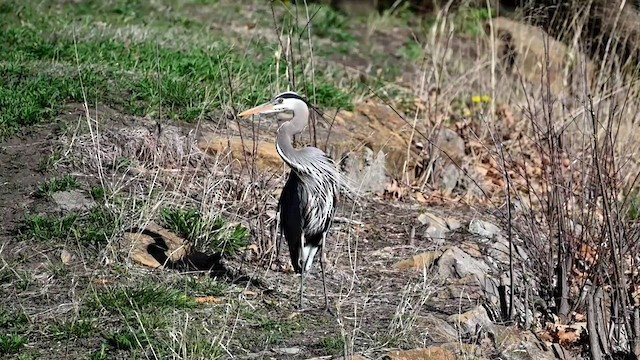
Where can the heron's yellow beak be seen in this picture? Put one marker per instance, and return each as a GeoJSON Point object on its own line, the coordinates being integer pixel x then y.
{"type": "Point", "coordinates": [264, 108]}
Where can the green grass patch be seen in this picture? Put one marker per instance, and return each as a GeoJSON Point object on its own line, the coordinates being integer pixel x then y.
{"type": "Point", "coordinates": [333, 345]}
{"type": "Point", "coordinates": [466, 20]}
{"type": "Point", "coordinates": [127, 339]}
{"type": "Point", "coordinates": [73, 329]}
{"type": "Point", "coordinates": [325, 23]}
{"type": "Point", "coordinates": [13, 325]}
{"type": "Point", "coordinates": [52, 54]}
{"type": "Point", "coordinates": [21, 279]}
{"type": "Point", "coordinates": [64, 183]}
{"type": "Point", "coordinates": [202, 286]}
{"type": "Point", "coordinates": [471, 20]}
{"type": "Point", "coordinates": [11, 343]}
{"type": "Point", "coordinates": [140, 317]}
{"type": "Point", "coordinates": [210, 234]}
{"type": "Point", "coordinates": [15, 321]}
{"type": "Point", "coordinates": [95, 227]}
{"type": "Point", "coordinates": [145, 296]}
{"type": "Point", "coordinates": [270, 331]}
{"type": "Point", "coordinates": [412, 51]}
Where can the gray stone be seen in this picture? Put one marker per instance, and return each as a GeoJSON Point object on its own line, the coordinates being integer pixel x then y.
{"type": "Point", "coordinates": [472, 320]}
{"type": "Point", "coordinates": [73, 200]}
{"type": "Point", "coordinates": [436, 227]}
{"type": "Point", "coordinates": [516, 344]}
{"type": "Point", "coordinates": [367, 170]}
{"type": "Point", "coordinates": [287, 351]}
{"type": "Point", "coordinates": [453, 224]}
{"type": "Point", "coordinates": [449, 179]}
{"type": "Point", "coordinates": [450, 142]}
{"type": "Point", "coordinates": [438, 329]}
{"type": "Point", "coordinates": [457, 263]}
{"type": "Point", "coordinates": [483, 228]}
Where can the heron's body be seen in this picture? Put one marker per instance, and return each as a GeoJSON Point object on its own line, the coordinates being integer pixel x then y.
{"type": "Point", "coordinates": [303, 222]}
{"type": "Point", "coordinates": [308, 201]}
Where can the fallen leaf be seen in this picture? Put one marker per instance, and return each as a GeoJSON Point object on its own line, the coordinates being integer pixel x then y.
{"type": "Point", "coordinates": [419, 354]}
{"type": "Point", "coordinates": [102, 282]}
{"type": "Point", "coordinates": [250, 293]}
{"type": "Point", "coordinates": [420, 261]}
{"type": "Point", "coordinates": [293, 315]}
{"type": "Point", "coordinates": [420, 197]}
{"type": "Point", "coordinates": [209, 300]}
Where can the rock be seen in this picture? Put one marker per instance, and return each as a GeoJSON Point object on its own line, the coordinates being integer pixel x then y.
{"type": "Point", "coordinates": [287, 351]}
{"type": "Point", "coordinates": [449, 178]}
{"type": "Point", "coordinates": [438, 329]}
{"type": "Point", "coordinates": [470, 321]}
{"type": "Point", "coordinates": [437, 228]}
{"type": "Point", "coordinates": [514, 343]}
{"type": "Point", "coordinates": [452, 224]}
{"type": "Point", "coordinates": [455, 263]}
{"type": "Point", "coordinates": [430, 353]}
{"type": "Point", "coordinates": [146, 250]}
{"type": "Point", "coordinates": [499, 250]}
{"type": "Point", "coordinates": [474, 182]}
{"type": "Point", "coordinates": [419, 262]}
{"type": "Point", "coordinates": [522, 49]}
{"type": "Point", "coordinates": [452, 149]}
{"type": "Point", "coordinates": [483, 228]}
{"type": "Point", "coordinates": [73, 200]}
{"type": "Point", "coordinates": [461, 269]}
{"type": "Point", "coordinates": [466, 351]}
{"type": "Point", "coordinates": [368, 173]}
{"type": "Point", "coordinates": [472, 249]}
{"type": "Point", "coordinates": [66, 257]}
{"type": "Point", "coordinates": [450, 143]}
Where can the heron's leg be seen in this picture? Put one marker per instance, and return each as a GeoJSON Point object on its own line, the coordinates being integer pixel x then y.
{"type": "Point", "coordinates": [277, 235]}
{"type": "Point", "coordinates": [324, 284]}
{"type": "Point", "coordinates": [301, 288]}
{"type": "Point", "coordinates": [276, 241]}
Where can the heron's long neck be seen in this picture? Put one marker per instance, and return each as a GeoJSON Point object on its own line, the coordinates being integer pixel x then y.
{"type": "Point", "coordinates": [284, 143]}
{"type": "Point", "coordinates": [285, 147]}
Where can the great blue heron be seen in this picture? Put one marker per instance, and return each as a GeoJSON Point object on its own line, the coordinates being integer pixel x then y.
{"type": "Point", "coordinates": [308, 201]}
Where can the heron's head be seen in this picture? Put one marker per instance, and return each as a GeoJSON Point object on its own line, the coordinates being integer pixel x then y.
{"type": "Point", "coordinates": [286, 102]}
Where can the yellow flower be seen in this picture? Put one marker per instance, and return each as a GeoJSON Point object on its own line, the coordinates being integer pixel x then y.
{"type": "Point", "coordinates": [476, 99]}
{"type": "Point", "coordinates": [466, 112]}
{"type": "Point", "coordinates": [486, 99]}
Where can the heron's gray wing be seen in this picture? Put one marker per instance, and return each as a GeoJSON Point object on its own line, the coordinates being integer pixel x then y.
{"type": "Point", "coordinates": [293, 200]}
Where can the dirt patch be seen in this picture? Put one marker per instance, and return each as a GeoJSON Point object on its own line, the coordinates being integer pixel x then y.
{"type": "Point", "coordinates": [24, 160]}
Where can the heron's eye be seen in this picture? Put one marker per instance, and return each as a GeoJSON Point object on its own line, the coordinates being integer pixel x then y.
{"type": "Point", "coordinates": [279, 101]}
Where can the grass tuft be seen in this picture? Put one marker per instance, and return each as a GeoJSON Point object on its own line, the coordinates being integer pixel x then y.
{"type": "Point", "coordinates": [65, 183]}
{"type": "Point", "coordinates": [126, 339]}
{"type": "Point", "coordinates": [143, 297]}
{"type": "Point", "coordinates": [11, 343]}
{"type": "Point", "coordinates": [93, 228]}
{"type": "Point", "coordinates": [333, 345]}
{"type": "Point", "coordinates": [205, 233]}
{"type": "Point", "coordinates": [78, 328]}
